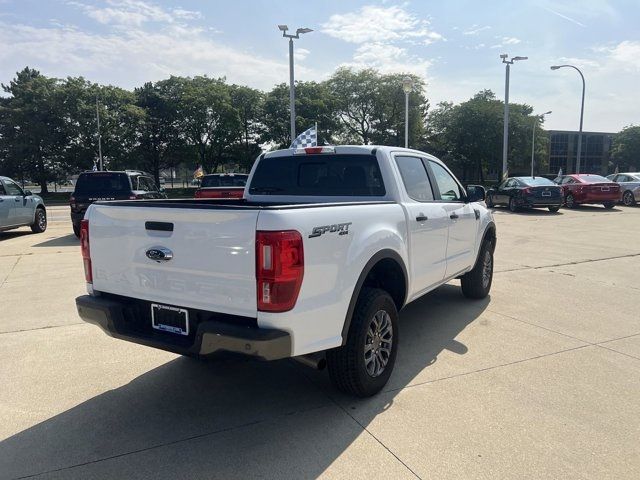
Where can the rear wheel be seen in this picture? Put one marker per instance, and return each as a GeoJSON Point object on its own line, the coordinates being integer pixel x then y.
{"type": "Point", "coordinates": [76, 229]}
{"type": "Point", "coordinates": [570, 202]}
{"type": "Point", "coordinates": [513, 206]}
{"type": "Point", "coordinates": [477, 283]}
{"type": "Point", "coordinates": [628, 199]}
{"type": "Point", "coordinates": [39, 224]}
{"type": "Point", "coordinates": [363, 365]}
{"type": "Point", "coordinates": [554, 209]}
{"type": "Point", "coordinates": [609, 205]}
{"type": "Point", "coordinates": [490, 201]}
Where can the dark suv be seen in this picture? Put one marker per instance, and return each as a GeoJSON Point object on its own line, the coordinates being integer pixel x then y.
{"type": "Point", "coordinates": [95, 186]}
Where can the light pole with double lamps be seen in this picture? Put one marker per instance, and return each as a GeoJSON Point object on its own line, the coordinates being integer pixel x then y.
{"type": "Point", "coordinates": [292, 91]}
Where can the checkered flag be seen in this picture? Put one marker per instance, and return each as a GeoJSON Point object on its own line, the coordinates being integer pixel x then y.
{"type": "Point", "coordinates": [308, 138]}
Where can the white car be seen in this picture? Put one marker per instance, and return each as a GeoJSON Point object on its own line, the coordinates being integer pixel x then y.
{"type": "Point", "coordinates": [316, 260]}
{"type": "Point", "coordinates": [629, 186]}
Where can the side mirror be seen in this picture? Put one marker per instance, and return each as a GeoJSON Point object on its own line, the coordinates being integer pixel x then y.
{"type": "Point", "coordinates": [475, 193]}
{"type": "Point", "coordinates": [27, 193]}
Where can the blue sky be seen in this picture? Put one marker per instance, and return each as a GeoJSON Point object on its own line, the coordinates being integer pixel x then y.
{"type": "Point", "coordinates": [455, 45]}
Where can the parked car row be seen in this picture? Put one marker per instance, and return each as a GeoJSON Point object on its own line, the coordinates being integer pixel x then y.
{"type": "Point", "coordinates": [568, 190]}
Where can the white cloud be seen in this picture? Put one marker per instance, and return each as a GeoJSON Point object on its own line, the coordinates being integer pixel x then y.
{"type": "Point", "coordinates": [379, 24]}
{"type": "Point", "coordinates": [388, 59]}
{"type": "Point", "coordinates": [510, 40]}
{"type": "Point", "coordinates": [626, 52]}
{"type": "Point", "coordinates": [300, 53]}
{"type": "Point", "coordinates": [129, 57]}
{"type": "Point", "coordinates": [475, 29]}
{"type": "Point", "coordinates": [133, 12]}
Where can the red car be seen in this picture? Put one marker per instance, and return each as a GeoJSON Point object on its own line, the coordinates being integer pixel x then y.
{"type": "Point", "coordinates": [222, 185]}
{"type": "Point", "coordinates": [588, 188]}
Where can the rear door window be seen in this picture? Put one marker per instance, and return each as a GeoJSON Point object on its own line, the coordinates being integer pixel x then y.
{"type": "Point", "coordinates": [450, 191]}
{"type": "Point", "coordinates": [102, 183]}
{"type": "Point", "coordinates": [415, 178]}
{"type": "Point", "coordinates": [318, 175]}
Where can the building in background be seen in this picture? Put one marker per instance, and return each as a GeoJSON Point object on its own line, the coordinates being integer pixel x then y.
{"type": "Point", "coordinates": [563, 147]}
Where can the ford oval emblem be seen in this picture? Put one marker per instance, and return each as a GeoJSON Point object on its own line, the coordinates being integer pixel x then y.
{"type": "Point", "coordinates": [159, 254]}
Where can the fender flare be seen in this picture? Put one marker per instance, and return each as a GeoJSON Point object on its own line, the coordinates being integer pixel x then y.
{"type": "Point", "coordinates": [381, 255]}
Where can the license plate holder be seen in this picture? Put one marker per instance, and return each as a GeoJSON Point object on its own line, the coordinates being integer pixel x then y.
{"type": "Point", "coordinates": [604, 189]}
{"type": "Point", "coordinates": [170, 319]}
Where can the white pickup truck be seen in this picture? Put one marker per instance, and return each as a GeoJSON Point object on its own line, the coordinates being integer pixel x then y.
{"type": "Point", "coordinates": [316, 260]}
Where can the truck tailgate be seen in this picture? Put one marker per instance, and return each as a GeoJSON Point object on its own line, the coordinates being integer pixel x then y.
{"type": "Point", "coordinates": [213, 264]}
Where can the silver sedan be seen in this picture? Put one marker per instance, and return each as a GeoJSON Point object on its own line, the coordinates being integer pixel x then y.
{"type": "Point", "coordinates": [629, 186]}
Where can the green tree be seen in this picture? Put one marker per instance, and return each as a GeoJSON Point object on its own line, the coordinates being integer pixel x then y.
{"type": "Point", "coordinates": [249, 104]}
{"type": "Point", "coordinates": [625, 151]}
{"type": "Point", "coordinates": [33, 130]}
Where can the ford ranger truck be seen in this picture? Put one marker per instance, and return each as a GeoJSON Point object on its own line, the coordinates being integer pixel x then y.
{"type": "Point", "coordinates": [316, 260]}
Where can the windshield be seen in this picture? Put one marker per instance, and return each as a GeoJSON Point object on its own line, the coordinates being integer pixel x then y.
{"type": "Point", "coordinates": [535, 181]}
{"type": "Point", "coordinates": [224, 181]}
{"type": "Point", "coordinates": [594, 179]}
{"type": "Point", "coordinates": [318, 175]}
{"type": "Point", "coordinates": [102, 182]}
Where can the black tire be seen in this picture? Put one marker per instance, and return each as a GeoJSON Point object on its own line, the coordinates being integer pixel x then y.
{"type": "Point", "coordinates": [39, 224]}
{"type": "Point", "coordinates": [76, 229]}
{"type": "Point", "coordinates": [628, 199]}
{"type": "Point", "coordinates": [513, 206]}
{"type": "Point", "coordinates": [609, 205]}
{"type": "Point", "coordinates": [490, 201]}
{"type": "Point", "coordinates": [554, 209]}
{"type": "Point", "coordinates": [348, 368]}
{"type": "Point", "coordinates": [474, 283]}
{"type": "Point", "coordinates": [570, 202]}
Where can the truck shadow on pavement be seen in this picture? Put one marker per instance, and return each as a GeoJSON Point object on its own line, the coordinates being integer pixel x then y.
{"type": "Point", "coordinates": [234, 419]}
{"type": "Point", "coordinates": [63, 241]}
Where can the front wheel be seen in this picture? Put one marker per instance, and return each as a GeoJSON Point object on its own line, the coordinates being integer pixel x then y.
{"type": "Point", "coordinates": [628, 199]}
{"type": "Point", "coordinates": [40, 221]}
{"type": "Point", "coordinates": [513, 206]}
{"type": "Point", "coordinates": [363, 365]}
{"type": "Point", "coordinates": [477, 282]}
{"type": "Point", "coordinates": [554, 209]}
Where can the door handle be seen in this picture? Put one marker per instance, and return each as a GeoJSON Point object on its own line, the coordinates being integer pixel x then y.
{"type": "Point", "coordinates": [421, 218]}
{"type": "Point", "coordinates": [453, 216]}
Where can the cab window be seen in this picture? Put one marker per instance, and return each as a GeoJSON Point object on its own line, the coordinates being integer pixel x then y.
{"type": "Point", "coordinates": [12, 188]}
{"type": "Point", "coordinates": [415, 178]}
{"type": "Point", "coordinates": [449, 189]}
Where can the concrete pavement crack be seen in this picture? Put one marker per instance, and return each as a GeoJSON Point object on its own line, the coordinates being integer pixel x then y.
{"type": "Point", "coordinates": [4, 280]}
{"type": "Point", "coordinates": [579, 262]}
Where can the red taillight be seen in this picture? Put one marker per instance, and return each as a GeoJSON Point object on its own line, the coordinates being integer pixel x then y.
{"type": "Point", "coordinates": [279, 269]}
{"type": "Point", "coordinates": [72, 201]}
{"type": "Point", "coordinates": [86, 252]}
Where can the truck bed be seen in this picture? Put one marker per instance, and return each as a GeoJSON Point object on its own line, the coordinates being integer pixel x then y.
{"type": "Point", "coordinates": [221, 204]}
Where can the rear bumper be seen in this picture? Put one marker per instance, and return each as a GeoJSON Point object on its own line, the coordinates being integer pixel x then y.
{"type": "Point", "coordinates": [540, 202]}
{"type": "Point", "coordinates": [211, 337]}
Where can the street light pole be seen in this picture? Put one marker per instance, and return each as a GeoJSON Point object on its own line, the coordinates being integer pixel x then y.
{"type": "Point", "coordinates": [533, 137]}
{"type": "Point", "coordinates": [292, 91]}
{"type": "Point", "coordinates": [579, 153]}
{"type": "Point", "coordinates": [407, 86]}
{"type": "Point", "coordinates": [505, 135]}
{"type": "Point", "coordinates": [99, 136]}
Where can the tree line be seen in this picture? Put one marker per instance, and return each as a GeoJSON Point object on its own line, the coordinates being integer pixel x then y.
{"type": "Point", "coordinates": [48, 125]}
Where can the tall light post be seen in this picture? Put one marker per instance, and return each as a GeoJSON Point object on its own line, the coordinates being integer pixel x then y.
{"type": "Point", "coordinates": [505, 139]}
{"type": "Point", "coordinates": [292, 92]}
{"type": "Point", "coordinates": [556, 67]}
{"type": "Point", "coordinates": [99, 137]}
{"type": "Point", "coordinates": [533, 137]}
{"type": "Point", "coordinates": [407, 86]}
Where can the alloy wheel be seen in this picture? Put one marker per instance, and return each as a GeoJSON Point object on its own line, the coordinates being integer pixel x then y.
{"type": "Point", "coordinates": [379, 339]}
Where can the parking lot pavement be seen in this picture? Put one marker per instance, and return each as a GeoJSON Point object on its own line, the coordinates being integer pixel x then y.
{"type": "Point", "coordinates": [541, 380]}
